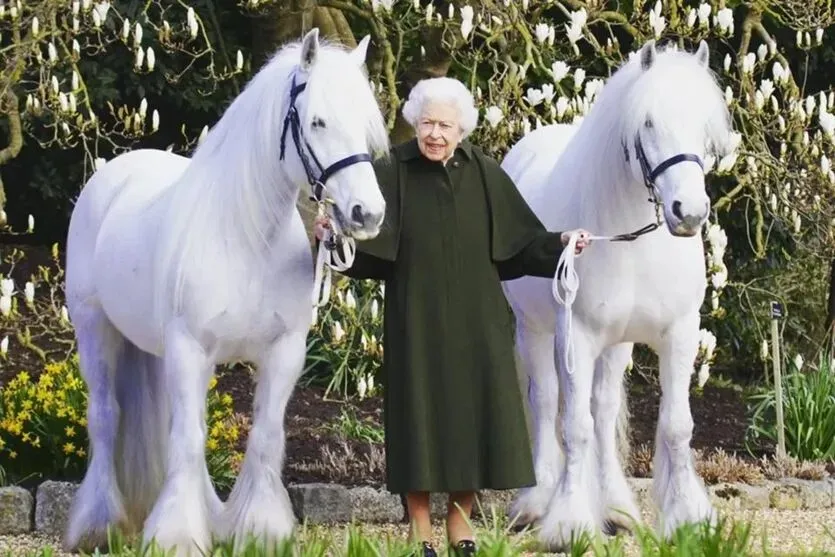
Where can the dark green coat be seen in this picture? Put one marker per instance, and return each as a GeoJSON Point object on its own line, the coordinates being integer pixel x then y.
{"type": "Point", "coordinates": [454, 419]}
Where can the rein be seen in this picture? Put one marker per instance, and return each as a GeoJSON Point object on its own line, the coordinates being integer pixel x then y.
{"type": "Point", "coordinates": [566, 275]}
{"type": "Point", "coordinates": [327, 257]}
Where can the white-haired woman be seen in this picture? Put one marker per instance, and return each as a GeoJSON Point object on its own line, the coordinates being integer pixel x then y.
{"type": "Point", "coordinates": [455, 228]}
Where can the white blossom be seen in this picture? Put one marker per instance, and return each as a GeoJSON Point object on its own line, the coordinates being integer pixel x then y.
{"type": "Point", "coordinates": [362, 386]}
{"type": "Point", "coordinates": [748, 62]}
{"type": "Point", "coordinates": [155, 120]}
{"type": "Point", "coordinates": [559, 70]}
{"type": "Point", "coordinates": [825, 165]}
{"type": "Point", "coordinates": [140, 57]}
{"type": "Point", "coordinates": [691, 18]}
{"type": "Point", "coordinates": [704, 375]}
{"type": "Point", "coordinates": [239, 60]}
{"type": "Point", "coordinates": [5, 305]}
{"type": "Point", "coordinates": [35, 26]}
{"type": "Point", "coordinates": [579, 76]}
{"type": "Point", "coordinates": [819, 36]}
{"type": "Point", "coordinates": [704, 14]}
{"type": "Point", "coordinates": [51, 52]}
{"type": "Point", "coordinates": [466, 19]}
{"type": "Point", "coordinates": [6, 287]}
{"type": "Point", "coordinates": [725, 19]}
{"type": "Point", "coordinates": [29, 292]}
{"type": "Point", "coordinates": [534, 96]}
{"type": "Point", "coordinates": [493, 115]}
{"type": "Point", "coordinates": [65, 316]}
{"type": "Point", "coordinates": [30, 222]}
{"type": "Point", "coordinates": [798, 362]}
{"type": "Point", "coordinates": [193, 26]}
{"type": "Point", "coordinates": [4, 346]}
{"type": "Point", "coordinates": [656, 20]}
{"type": "Point", "coordinates": [561, 106]}
{"type": "Point", "coordinates": [726, 63]}
{"type": "Point", "coordinates": [762, 52]}
{"type": "Point", "coordinates": [764, 350]}
{"type": "Point", "coordinates": [542, 30]}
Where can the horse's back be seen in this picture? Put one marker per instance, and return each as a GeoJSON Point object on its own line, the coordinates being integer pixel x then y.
{"type": "Point", "coordinates": [106, 227]}
{"type": "Point", "coordinates": [530, 161]}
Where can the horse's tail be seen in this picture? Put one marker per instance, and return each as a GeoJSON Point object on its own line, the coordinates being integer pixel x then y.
{"type": "Point", "coordinates": [142, 442]}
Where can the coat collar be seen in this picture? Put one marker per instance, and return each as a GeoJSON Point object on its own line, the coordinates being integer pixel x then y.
{"type": "Point", "coordinates": [410, 150]}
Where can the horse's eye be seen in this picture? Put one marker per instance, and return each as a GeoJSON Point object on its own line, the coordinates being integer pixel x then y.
{"type": "Point", "coordinates": [318, 123]}
{"type": "Point", "coordinates": [648, 124]}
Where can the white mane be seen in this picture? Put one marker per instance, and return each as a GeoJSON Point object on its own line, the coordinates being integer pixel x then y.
{"type": "Point", "coordinates": [236, 193]}
{"type": "Point", "coordinates": [676, 94]}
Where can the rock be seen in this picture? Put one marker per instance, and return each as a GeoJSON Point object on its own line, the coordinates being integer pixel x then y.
{"type": "Point", "coordinates": [376, 506]}
{"type": "Point", "coordinates": [793, 494]}
{"type": "Point", "coordinates": [642, 488]}
{"type": "Point", "coordinates": [740, 496]}
{"type": "Point", "coordinates": [319, 503]}
{"type": "Point", "coordinates": [16, 508]}
{"type": "Point", "coordinates": [52, 506]}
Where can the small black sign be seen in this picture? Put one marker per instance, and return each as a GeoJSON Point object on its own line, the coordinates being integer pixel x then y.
{"type": "Point", "coordinates": [776, 310]}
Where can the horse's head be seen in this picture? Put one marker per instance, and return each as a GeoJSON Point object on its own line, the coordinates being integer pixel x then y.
{"type": "Point", "coordinates": [337, 123]}
{"type": "Point", "coordinates": [675, 115]}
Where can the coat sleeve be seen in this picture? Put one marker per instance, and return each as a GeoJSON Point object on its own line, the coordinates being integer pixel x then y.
{"type": "Point", "coordinates": [521, 245]}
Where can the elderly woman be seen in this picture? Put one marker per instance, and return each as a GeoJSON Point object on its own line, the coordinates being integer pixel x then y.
{"type": "Point", "coordinates": [455, 228]}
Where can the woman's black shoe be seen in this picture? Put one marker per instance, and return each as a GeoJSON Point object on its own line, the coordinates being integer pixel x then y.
{"type": "Point", "coordinates": [428, 550]}
{"type": "Point", "coordinates": [465, 548]}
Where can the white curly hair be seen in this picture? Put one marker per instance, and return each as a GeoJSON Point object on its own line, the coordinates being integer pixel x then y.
{"type": "Point", "coordinates": [442, 90]}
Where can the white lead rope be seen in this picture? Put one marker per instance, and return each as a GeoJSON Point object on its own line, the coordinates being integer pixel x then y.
{"type": "Point", "coordinates": [329, 259]}
{"type": "Point", "coordinates": [567, 278]}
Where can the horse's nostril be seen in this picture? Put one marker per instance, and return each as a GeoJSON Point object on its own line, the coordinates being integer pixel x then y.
{"type": "Point", "coordinates": [677, 209]}
{"type": "Point", "coordinates": [357, 215]}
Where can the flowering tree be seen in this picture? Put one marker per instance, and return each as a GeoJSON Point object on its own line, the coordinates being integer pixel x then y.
{"type": "Point", "coordinates": [52, 91]}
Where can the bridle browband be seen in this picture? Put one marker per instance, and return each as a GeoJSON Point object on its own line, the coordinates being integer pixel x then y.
{"type": "Point", "coordinates": [293, 123]}
{"type": "Point", "coordinates": [650, 175]}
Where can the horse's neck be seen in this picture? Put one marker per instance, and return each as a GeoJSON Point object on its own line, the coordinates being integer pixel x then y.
{"type": "Point", "coordinates": [591, 187]}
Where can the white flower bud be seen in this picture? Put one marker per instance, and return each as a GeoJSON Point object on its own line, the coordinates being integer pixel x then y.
{"type": "Point", "coordinates": [150, 59]}
{"type": "Point", "coordinates": [155, 120]}
{"type": "Point", "coordinates": [4, 346]}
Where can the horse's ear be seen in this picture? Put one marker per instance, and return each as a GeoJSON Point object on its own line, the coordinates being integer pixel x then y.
{"type": "Point", "coordinates": [703, 53]}
{"type": "Point", "coordinates": [648, 55]}
{"type": "Point", "coordinates": [310, 49]}
{"type": "Point", "coordinates": [358, 54]}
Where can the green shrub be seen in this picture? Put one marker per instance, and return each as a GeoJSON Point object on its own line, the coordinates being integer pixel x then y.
{"type": "Point", "coordinates": [808, 411]}
{"type": "Point", "coordinates": [345, 351]}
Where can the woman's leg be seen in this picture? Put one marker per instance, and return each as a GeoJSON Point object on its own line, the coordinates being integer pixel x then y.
{"type": "Point", "coordinates": [420, 524]}
{"type": "Point", "coordinates": [459, 511]}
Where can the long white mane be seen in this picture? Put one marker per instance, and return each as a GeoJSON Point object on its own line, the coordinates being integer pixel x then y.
{"type": "Point", "coordinates": [675, 94]}
{"type": "Point", "coordinates": [236, 193]}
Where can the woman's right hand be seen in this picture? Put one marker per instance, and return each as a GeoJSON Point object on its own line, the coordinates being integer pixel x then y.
{"type": "Point", "coordinates": [321, 225]}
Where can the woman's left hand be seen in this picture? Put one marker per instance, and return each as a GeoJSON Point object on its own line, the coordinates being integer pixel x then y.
{"type": "Point", "coordinates": [583, 239]}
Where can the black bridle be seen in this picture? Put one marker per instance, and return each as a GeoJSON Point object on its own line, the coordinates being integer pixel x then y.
{"type": "Point", "coordinates": [293, 123]}
{"type": "Point", "coordinates": [650, 175]}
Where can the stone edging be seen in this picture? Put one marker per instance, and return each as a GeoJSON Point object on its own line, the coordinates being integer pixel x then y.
{"type": "Point", "coordinates": [46, 511]}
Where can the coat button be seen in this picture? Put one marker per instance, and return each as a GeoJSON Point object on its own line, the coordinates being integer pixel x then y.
{"type": "Point", "coordinates": [455, 164]}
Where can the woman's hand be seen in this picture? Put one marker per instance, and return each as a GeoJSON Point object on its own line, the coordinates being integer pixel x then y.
{"type": "Point", "coordinates": [583, 239]}
{"type": "Point", "coordinates": [321, 225]}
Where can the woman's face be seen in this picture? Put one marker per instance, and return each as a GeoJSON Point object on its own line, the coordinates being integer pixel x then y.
{"type": "Point", "coordinates": [438, 131]}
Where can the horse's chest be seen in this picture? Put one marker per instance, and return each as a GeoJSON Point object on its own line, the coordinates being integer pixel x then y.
{"type": "Point", "coordinates": [625, 287]}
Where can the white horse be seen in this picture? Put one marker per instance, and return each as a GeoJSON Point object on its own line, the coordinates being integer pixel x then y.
{"type": "Point", "coordinates": [636, 154]}
{"type": "Point", "coordinates": [176, 265]}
